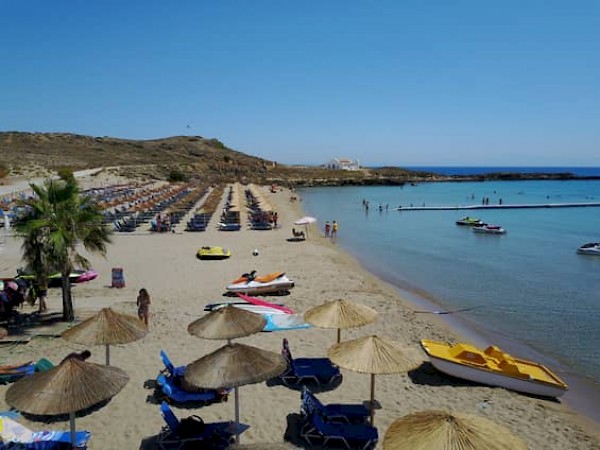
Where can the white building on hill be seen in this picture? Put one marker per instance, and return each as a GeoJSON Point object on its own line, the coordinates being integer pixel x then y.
{"type": "Point", "coordinates": [342, 164]}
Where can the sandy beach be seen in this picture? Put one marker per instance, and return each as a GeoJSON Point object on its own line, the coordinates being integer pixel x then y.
{"type": "Point", "coordinates": [180, 285]}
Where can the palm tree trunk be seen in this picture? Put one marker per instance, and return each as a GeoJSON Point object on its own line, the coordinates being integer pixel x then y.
{"type": "Point", "coordinates": [68, 313]}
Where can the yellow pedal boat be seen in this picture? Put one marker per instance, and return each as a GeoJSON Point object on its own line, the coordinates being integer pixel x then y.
{"type": "Point", "coordinates": [213, 252]}
{"type": "Point", "coordinates": [494, 367]}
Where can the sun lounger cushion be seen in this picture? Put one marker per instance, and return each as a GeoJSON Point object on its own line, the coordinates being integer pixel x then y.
{"type": "Point", "coordinates": [337, 412]}
{"type": "Point", "coordinates": [352, 436]}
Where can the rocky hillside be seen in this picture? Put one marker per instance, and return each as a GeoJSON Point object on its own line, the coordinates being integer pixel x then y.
{"type": "Point", "coordinates": [187, 156]}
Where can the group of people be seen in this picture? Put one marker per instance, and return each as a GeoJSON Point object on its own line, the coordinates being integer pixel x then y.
{"type": "Point", "coordinates": [331, 230]}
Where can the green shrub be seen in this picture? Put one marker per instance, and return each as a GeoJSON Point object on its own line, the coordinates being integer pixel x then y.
{"type": "Point", "coordinates": [176, 176]}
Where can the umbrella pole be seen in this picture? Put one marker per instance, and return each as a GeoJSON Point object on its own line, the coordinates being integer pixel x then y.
{"type": "Point", "coordinates": [107, 355]}
{"type": "Point", "coordinates": [339, 335]}
{"type": "Point", "coordinates": [237, 416]}
{"type": "Point", "coordinates": [72, 428]}
{"type": "Point", "coordinates": [372, 398]}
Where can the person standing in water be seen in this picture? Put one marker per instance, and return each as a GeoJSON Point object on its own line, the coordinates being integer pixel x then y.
{"type": "Point", "coordinates": [334, 229]}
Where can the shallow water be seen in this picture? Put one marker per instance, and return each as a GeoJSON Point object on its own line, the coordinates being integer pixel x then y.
{"type": "Point", "coordinates": [529, 285]}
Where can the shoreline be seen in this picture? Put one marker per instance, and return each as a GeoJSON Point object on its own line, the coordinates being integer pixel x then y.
{"type": "Point", "coordinates": [577, 397]}
{"type": "Point", "coordinates": [180, 285]}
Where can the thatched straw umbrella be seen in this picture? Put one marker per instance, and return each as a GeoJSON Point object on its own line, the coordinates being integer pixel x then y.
{"type": "Point", "coordinates": [340, 314]}
{"type": "Point", "coordinates": [434, 430]}
{"type": "Point", "coordinates": [234, 365]}
{"type": "Point", "coordinates": [372, 355]}
{"type": "Point", "coordinates": [107, 327]}
{"type": "Point", "coordinates": [228, 323]}
{"type": "Point", "coordinates": [71, 386]}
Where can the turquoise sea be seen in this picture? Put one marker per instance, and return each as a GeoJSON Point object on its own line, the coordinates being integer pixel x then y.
{"type": "Point", "coordinates": [527, 290]}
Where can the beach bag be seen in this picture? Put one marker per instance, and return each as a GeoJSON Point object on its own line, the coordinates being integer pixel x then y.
{"type": "Point", "coordinates": [190, 426]}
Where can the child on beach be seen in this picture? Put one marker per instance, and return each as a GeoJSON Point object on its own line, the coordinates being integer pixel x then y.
{"type": "Point", "coordinates": [143, 304]}
{"type": "Point", "coordinates": [327, 229]}
{"type": "Point", "coordinates": [334, 229]}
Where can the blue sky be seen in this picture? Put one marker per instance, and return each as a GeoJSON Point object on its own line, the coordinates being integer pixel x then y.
{"type": "Point", "coordinates": [388, 82]}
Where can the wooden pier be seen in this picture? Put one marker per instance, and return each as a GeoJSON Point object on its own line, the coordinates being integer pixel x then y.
{"type": "Point", "coordinates": [506, 206]}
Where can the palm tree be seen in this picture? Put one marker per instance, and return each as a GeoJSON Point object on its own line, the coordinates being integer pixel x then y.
{"type": "Point", "coordinates": [57, 219]}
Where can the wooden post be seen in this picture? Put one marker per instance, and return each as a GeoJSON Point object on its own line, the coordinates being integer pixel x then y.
{"type": "Point", "coordinates": [372, 398]}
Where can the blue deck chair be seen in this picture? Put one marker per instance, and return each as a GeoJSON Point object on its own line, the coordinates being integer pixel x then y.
{"type": "Point", "coordinates": [15, 373]}
{"type": "Point", "coordinates": [175, 393]}
{"type": "Point", "coordinates": [352, 436]}
{"type": "Point", "coordinates": [217, 435]}
{"type": "Point", "coordinates": [170, 369]}
{"type": "Point", "coordinates": [333, 412]}
{"type": "Point", "coordinates": [50, 440]}
{"type": "Point", "coordinates": [313, 371]}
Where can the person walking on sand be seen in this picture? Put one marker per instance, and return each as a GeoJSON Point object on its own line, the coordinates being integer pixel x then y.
{"type": "Point", "coordinates": [327, 229]}
{"type": "Point", "coordinates": [143, 304]}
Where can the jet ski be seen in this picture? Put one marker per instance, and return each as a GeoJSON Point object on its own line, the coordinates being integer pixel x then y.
{"type": "Point", "coordinates": [249, 283]}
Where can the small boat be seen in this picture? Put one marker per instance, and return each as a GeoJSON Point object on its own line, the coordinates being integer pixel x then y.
{"type": "Point", "coordinates": [592, 248]}
{"type": "Point", "coordinates": [213, 252]}
{"type": "Point", "coordinates": [489, 229]}
{"type": "Point", "coordinates": [244, 300]}
{"type": "Point", "coordinates": [285, 322]}
{"type": "Point", "coordinates": [55, 279]}
{"type": "Point", "coordinates": [249, 283]}
{"type": "Point", "coordinates": [494, 367]}
{"type": "Point", "coordinates": [257, 309]}
{"type": "Point", "coordinates": [470, 221]}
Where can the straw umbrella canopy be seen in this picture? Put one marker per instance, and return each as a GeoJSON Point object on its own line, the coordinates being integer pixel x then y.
{"type": "Point", "coordinates": [228, 323]}
{"type": "Point", "coordinates": [373, 355]}
{"type": "Point", "coordinates": [107, 327]}
{"type": "Point", "coordinates": [340, 314]}
{"type": "Point", "coordinates": [234, 365]}
{"type": "Point", "coordinates": [434, 430]}
{"type": "Point", "coordinates": [71, 386]}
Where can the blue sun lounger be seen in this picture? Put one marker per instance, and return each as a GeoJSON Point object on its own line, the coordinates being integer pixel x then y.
{"type": "Point", "coordinates": [314, 371]}
{"type": "Point", "coordinates": [170, 369]}
{"type": "Point", "coordinates": [216, 435]}
{"type": "Point", "coordinates": [353, 436]}
{"type": "Point", "coordinates": [177, 394]}
{"type": "Point", "coordinates": [169, 382]}
{"type": "Point", "coordinates": [333, 412]}
{"type": "Point", "coordinates": [50, 440]}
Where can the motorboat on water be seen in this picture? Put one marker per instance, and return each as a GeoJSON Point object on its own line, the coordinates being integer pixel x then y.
{"type": "Point", "coordinates": [249, 283]}
{"type": "Point", "coordinates": [470, 221]}
{"type": "Point", "coordinates": [213, 252]}
{"type": "Point", "coordinates": [494, 367]}
{"type": "Point", "coordinates": [591, 248]}
{"type": "Point", "coordinates": [489, 229]}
